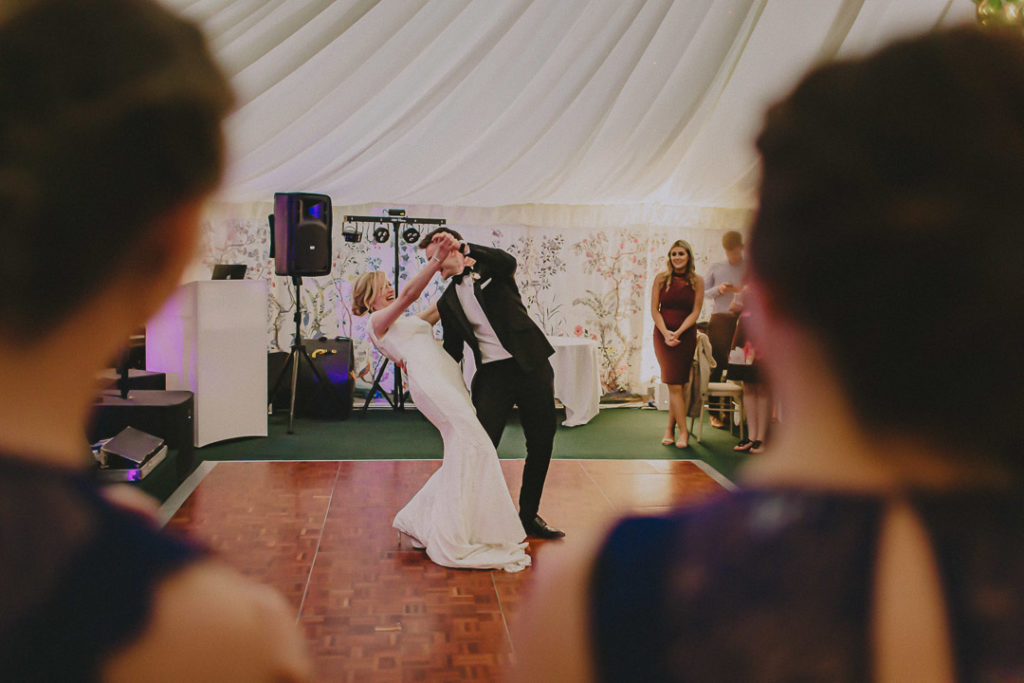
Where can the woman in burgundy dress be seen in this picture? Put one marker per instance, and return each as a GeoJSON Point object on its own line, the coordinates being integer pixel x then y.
{"type": "Point", "coordinates": [676, 299]}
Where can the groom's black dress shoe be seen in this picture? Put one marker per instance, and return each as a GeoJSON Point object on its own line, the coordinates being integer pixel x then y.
{"type": "Point", "coordinates": [539, 528]}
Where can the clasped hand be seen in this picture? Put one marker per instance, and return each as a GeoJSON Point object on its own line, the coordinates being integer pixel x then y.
{"type": "Point", "coordinates": [446, 244]}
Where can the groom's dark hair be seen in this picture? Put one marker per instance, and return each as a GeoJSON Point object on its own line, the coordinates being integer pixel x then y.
{"type": "Point", "coordinates": [425, 242]}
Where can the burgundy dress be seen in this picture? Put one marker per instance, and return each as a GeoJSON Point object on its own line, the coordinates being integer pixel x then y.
{"type": "Point", "coordinates": [675, 304]}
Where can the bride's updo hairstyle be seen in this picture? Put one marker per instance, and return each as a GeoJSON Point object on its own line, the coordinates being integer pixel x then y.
{"type": "Point", "coordinates": [365, 290]}
{"type": "Point", "coordinates": [891, 229]}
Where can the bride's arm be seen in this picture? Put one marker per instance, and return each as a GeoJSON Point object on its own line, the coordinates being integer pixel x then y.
{"type": "Point", "coordinates": [431, 315]}
{"type": "Point", "coordinates": [383, 319]}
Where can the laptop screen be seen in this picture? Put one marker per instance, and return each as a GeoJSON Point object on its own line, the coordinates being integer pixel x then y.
{"type": "Point", "coordinates": [229, 271]}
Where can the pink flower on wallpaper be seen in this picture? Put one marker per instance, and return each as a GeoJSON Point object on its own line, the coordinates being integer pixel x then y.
{"type": "Point", "coordinates": [594, 337]}
{"type": "Point", "coordinates": [579, 330]}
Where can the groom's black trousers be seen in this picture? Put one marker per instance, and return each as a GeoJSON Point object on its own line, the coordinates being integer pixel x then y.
{"type": "Point", "coordinates": [499, 386]}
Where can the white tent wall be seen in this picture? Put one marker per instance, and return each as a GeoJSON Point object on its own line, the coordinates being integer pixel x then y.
{"type": "Point", "coordinates": [583, 271]}
{"type": "Point", "coordinates": [552, 128]}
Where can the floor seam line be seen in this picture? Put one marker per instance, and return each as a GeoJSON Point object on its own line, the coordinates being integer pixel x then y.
{"type": "Point", "coordinates": [319, 543]}
{"type": "Point", "coordinates": [604, 495]}
{"type": "Point", "coordinates": [504, 618]}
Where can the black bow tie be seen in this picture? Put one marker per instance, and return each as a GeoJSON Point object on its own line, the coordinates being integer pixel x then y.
{"type": "Point", "coordinates": [468, 270]}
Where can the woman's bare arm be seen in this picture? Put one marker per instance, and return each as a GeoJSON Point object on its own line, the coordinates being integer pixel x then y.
{"type": "Point", "coordinates": [385, 317]}
{"type": "Point", "coordinates": [552, 638]}
{"type": "Point", "coordinates": [431, 315]}
{"type": "Point", "coordinates": [210, 623]}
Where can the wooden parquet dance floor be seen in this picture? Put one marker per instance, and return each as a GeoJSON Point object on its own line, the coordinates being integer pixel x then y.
{"type": "Point", "coordinates": [373, 608]}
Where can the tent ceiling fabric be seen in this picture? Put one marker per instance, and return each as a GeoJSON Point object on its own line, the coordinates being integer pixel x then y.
{"type": "Point", "coordinates": [491, 103]}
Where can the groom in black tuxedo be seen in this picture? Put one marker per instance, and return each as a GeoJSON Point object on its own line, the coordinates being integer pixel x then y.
{"type": "Point", "coordinates": [482, 307]}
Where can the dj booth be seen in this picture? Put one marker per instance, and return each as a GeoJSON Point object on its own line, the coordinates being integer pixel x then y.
{"type": "Point", "coordinates": [210, 339]}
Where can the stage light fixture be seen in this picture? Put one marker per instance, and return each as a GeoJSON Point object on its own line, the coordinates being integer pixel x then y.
{"type": "Point", "coordinates": [382, 233]}
{"type": "Point", "coordinates": [351, 232]}
{"type": "Point", "coordinates": [411, 235]}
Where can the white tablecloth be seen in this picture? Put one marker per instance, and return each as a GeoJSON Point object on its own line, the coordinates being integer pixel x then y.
{"type": "Point", "coordinates": [577, 377]}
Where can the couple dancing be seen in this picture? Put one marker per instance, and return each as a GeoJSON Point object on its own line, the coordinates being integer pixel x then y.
{"type": "Point", "coordinates": [464, 516]}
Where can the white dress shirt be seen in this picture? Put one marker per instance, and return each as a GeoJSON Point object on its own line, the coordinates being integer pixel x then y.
{"type": "Point", "coordinates": [490, 348]}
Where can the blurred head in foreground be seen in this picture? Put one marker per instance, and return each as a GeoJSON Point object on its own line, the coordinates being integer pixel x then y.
{"type": "Point", "coordinates": [110, 137]}
{"type": "Point", "coordinates": [885, 268]}
{"type": "Point", "coordinates": [890, 238]}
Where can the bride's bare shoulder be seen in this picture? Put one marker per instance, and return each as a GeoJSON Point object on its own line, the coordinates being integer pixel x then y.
{"type": "Point", "coordinates": [377, 326]}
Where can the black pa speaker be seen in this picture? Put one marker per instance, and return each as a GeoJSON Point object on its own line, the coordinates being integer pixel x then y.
{"type": "Point", "coordinates": [302, 234]}
{"type": "Point", "coordinates": [324, 391]}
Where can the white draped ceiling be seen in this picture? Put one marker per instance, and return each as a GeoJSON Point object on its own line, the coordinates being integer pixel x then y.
{"type": "Point", "coordinates": [584, 136]}
{"type": "Point", "coordinates": [499, 103]}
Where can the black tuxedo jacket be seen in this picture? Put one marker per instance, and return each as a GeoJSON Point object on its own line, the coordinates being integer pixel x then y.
{"type": "Point", "coordinates": [498, 294]}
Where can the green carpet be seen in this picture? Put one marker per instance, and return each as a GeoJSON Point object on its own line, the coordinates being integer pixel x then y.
{"type": "Point", "coordinates": [616, 433]}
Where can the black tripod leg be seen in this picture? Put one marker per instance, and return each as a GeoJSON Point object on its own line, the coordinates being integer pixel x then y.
{"type": "Point", "coordinates": [295, 379]}
{"type": "Point", "coordinates": [280, 376]}
{"type": "Point", "coordinates": [398, 390]}
{"type": "Point", "coordinates": [376, 388]}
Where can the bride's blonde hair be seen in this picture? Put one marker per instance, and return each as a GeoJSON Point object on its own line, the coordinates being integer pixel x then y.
{"type": "Point", "coordinates": [366, 289]}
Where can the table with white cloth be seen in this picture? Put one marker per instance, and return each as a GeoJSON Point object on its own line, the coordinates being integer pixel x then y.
{"type": "Point", "coordinates": [577, 367]}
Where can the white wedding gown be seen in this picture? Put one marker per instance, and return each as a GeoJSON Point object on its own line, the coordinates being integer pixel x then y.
{"type": "Point", "coordinates": [463, 516]}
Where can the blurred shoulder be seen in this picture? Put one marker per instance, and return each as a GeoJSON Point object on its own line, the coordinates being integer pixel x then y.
{"type": "Point", "coordinates": [552, 635]}
{"type": "Point", "coordinates": [208, 622]}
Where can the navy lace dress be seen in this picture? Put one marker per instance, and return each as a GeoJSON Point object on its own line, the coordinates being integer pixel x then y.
{"type": "Point", "coordinates": [77, 575]}
{"type": "Point", "coordinates": [776, 586]}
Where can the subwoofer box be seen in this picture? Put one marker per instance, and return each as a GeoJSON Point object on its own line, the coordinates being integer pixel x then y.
{"type": "Point", "coordinates": [324, 391]}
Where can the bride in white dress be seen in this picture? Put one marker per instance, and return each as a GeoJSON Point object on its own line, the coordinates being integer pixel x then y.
{"type": "Point", "coordinates": [464, 515]}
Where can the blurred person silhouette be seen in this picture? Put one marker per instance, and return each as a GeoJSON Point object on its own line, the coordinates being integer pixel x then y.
{"type": "Point", "coordinates": [723, 285]}
{"type": "Point", "coordinates": [862, 546]}
{"type": "Point", "coordinates": [757, 396]}
{"type": "Point", "coordinates": [110, 141]}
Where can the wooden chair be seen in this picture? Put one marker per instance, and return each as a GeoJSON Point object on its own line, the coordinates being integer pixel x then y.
{"type": "Point", "coordinates": [733, 406]}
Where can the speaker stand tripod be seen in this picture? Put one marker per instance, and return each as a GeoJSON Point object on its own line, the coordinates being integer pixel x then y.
{"type": "Point", "coordinates": [297, 354]}
{"type": "Point", "coordinates": [398, 403]}
{"type": "Point", "coordinates": [395, 220]}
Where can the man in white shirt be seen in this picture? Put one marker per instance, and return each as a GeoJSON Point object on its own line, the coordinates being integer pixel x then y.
{"type": "Point", "coordinates": [482, 307]}
{"type": "Point", "coordinates": [722, 286]}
